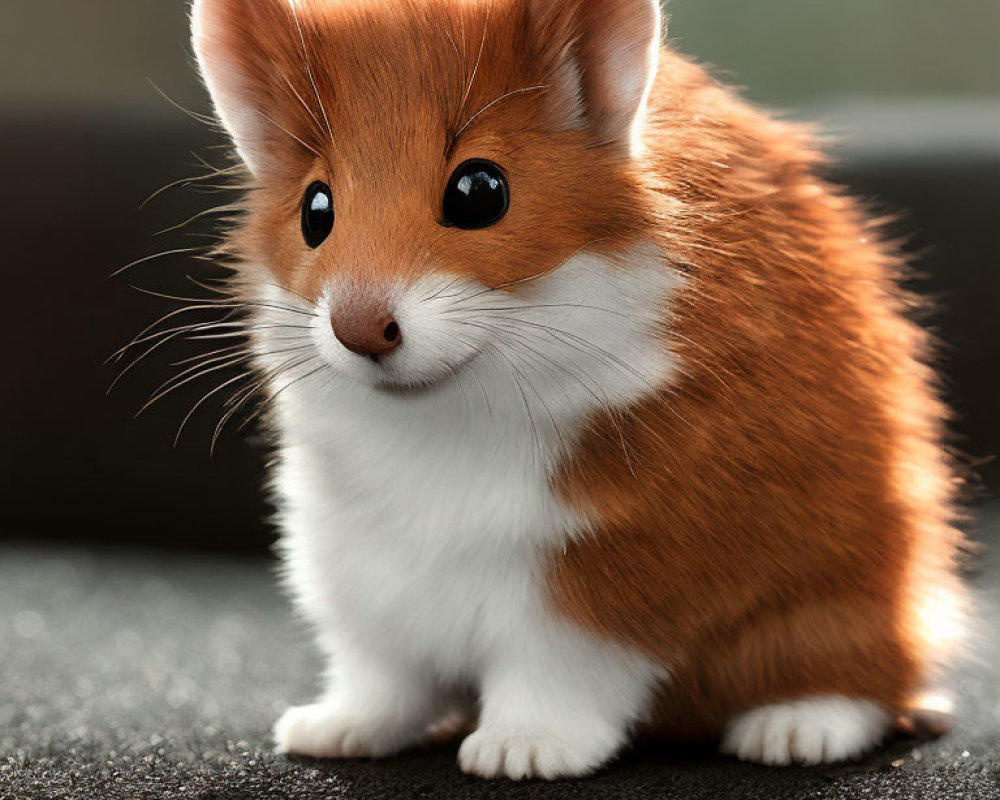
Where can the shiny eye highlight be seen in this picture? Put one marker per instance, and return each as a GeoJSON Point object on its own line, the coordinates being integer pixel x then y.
{"type": "Point", "coordinates": [477, 195]}
{"type": "Point", "coordinates": [317, 214]}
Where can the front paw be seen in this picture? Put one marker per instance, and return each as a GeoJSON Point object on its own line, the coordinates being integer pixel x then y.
{"type": "Point", "coordinates": [494, 753]}
{"type": "Point", "coordinates": [323, 730]}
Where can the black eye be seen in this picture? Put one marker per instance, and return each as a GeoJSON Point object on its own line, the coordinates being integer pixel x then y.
{"type": "Point", "coordinates": [317, 214]}
{"type": "Point", "coordinates": [476, 196]}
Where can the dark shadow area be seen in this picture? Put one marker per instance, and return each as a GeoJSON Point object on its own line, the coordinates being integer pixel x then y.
{"type": "Point", "coordinates": [79, 466]}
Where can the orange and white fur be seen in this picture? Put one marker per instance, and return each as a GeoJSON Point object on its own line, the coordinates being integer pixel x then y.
{"type": "Point", "coordinates": [656, 454]}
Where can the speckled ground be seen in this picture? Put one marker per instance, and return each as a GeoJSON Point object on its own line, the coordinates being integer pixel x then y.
{"type": "Point", "coordinates": [138, 675]}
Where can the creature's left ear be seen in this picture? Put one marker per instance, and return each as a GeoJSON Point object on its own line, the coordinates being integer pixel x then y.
{"type": "Point", "coordinates": [604, 55]}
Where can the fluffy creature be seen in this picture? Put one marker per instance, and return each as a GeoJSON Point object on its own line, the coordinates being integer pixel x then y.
{"type": "Point", "coordinates": [597, 412]}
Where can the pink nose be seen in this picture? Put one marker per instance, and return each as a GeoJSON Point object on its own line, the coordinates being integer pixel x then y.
{"type": "Point", "coordinates": [366, 329]}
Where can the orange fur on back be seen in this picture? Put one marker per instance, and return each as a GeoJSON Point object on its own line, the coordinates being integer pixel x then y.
{"type": "Point", "coordinates": [782, 522]}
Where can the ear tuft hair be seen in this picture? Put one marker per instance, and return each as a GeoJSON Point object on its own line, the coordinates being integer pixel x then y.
{"type": "Point", "coordinates": [605, 56]}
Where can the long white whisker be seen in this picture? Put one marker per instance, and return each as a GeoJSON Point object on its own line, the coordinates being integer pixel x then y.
{"type": "Point", "coordinates": [204, 398]}
{"type": "Point", "coordinates": [274, 396]}
{"type": "Point", "coordinates": [213, 303]}
{"type": "Point", "coordinates": [195, 326]}
{"type": "Point", "coordinates": [492, 103]}
{"type": "Point", "coordinates": [585, 346]}
{"type": "Point", "coordinates": [302, 102]}
{"type": "Point", "coordinates": [198, 370]}
{"type": "Point", "coordinates": [475, 68]}
{"type": "Point", "coordinates": [516, 374]}
{"type": "Point", "coordinates": [282, 128]}
{"type": "Point", "coordinates": [536, 276]}
{"type": "Point", "coordinates": [155, 256]}
{"type": "Point", "coordinates": [236, 404]}
{"type": "Point", "coordinates": [201, 356]}
{"type": "Point", "coordinates": [230, 208]}
{"type": "Point", "coordinates": [308, 65]}
{"type": "Point", "coordinates": [528, 306]}
{"type": "Point", "coordinates": [149, 351]}
{"type": "Point", "coordinates": [205, 119]}
{"type": "Point", "coordinates": [602, 399]}
{"type": "Point", "coordinates": [214, 172]}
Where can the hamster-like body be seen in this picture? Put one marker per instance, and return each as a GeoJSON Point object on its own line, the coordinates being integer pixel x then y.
{"type": "Point", "coordinates": [647, 448]}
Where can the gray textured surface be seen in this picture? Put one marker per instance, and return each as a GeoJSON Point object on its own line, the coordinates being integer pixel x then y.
{"type": "Point", "coordinates": [154, 676]}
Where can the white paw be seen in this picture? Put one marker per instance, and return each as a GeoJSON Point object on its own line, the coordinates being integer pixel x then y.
{"type": "Point", "coordinates": [323, 731]}
{"type": "Point", "coordinates": [814, 730]}
{"type": "Point", "coordinates": [492, 753]}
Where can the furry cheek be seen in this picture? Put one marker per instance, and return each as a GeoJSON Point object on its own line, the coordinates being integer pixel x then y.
{"type": "Point", "coordinates": [588, 335]}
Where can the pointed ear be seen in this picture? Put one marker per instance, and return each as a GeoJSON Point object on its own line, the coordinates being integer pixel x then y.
{"type": "Point", "coordinates": [237, 44]}
{"type": "Point", "coordinates": [603, 59]}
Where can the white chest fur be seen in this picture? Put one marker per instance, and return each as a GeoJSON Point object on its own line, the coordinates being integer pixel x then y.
{"type": "Point", "coordinates": [419, 527]}
{"type": "Point", "coordinates": [416, 525]}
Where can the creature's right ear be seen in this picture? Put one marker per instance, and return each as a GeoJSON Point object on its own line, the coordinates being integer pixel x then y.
{"type": "Point", "coordinates": [238, 44]}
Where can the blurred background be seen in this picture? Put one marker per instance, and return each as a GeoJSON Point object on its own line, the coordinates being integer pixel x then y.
{"type": "Point", "coordinates": [910, 88]}
{"type": "Point", "coordinates": [157, 669]}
